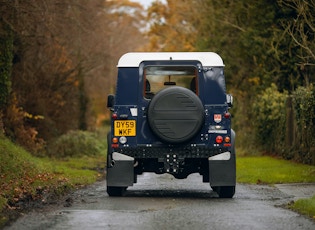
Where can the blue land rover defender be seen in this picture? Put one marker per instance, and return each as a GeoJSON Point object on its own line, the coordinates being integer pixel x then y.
{"type": "Point", "coordinates": [170, 114]}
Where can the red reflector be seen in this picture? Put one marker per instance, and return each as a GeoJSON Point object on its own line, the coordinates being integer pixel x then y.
{"type": "Point", "coordinates": [114, 116]}
{"type": "Point", "coordinates": [219, 139]}
{"type": "Point", "coordinates": [114, 146]}
{"type": "Point", "coordinates": [227, 115]}
{"type": "Point", "coordinates": [227, 145]}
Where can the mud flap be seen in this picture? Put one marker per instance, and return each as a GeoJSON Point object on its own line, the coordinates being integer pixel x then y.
{"type": "Point", "coordinates": [120, 173]}
{"type": "Point", "coordinates": [222, 170]}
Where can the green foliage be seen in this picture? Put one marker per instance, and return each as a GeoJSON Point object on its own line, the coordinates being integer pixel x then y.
{"type": "Point", "coordinates": [243, 126]}
{"type": "Point", "coordinates": [304, 104]}
{"type": "Point", "coordinates": [76, 143]}
{"type": "Point", "coordinates": [283, 128]}
{"type": "Point", "coordinates": [265, 169]}
{"type": "Point", "coordinates": [6, 57]}
{"type": "Point", "coordinates": [305, 206]}
{"type": "Point", "coordinates": [269, 118]}
{"type": "Point", "coordinates": [304, 108]}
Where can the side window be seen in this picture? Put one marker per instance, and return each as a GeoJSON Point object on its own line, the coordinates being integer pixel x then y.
{"type": "Point", "coordinates": [157, 78]}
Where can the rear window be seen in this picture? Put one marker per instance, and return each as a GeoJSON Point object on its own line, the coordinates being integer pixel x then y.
{"type": "Point", "coordinates": [157, 78]}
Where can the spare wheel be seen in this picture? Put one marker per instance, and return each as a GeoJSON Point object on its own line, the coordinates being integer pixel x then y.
{"type": "Point", "coordinates": [175, 115]}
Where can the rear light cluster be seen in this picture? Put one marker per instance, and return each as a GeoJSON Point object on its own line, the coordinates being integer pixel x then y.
{"type": "Point", "coordinates": [226, 141]}
{"type": "Point", "coordinates": [116, 141]}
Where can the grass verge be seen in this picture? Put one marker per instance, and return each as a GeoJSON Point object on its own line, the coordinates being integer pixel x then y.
{"type": "Point", "coordinates": [269, 170]}
{"type": "Point", "coordinates": [304, 206]}
{"type": "Point", "coordinates": [25, 178]}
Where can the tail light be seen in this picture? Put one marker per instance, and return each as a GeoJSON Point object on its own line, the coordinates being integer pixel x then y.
{"type": "Point", "coordinates": [227, 139]}
{"type": "Point", "coordinates": [114, 116]}
{"type": "Point", "coordinates": [227, 115]}
{"type": "Point", "coordinates": [115, 142]}
{"type": "Point", "coordinates": [219, 139]}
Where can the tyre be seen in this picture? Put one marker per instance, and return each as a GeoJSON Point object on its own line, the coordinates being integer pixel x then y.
{"type": "Point", "coordinates": [116, 191]}
{"type": "Point", "coordinates": [175, 115]}
{"type": "Point", "coordinates": [225, 191]}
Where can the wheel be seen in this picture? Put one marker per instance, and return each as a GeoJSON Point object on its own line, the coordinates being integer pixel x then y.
{"type": "Point", "coordinates": [116, 191]}
{"type": "Point", "coordinates": [225, 191]}
{"type": "Point", "coordinates": [175, 115]}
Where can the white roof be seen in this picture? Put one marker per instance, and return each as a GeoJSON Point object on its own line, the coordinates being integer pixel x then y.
{"type": "Point", "coordinates": [134, 59]}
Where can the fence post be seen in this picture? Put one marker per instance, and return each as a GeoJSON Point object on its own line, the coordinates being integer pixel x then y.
{"type": "Point", "coordinates": [290, 130]}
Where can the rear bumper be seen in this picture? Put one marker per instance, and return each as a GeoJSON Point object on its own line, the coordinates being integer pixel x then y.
{"type": "Point", "coordinates": [191, 151]}
{"type": "Point", "coordinates": [218, 167]}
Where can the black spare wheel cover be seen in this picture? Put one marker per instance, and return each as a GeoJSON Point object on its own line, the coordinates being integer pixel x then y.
{"type": "Point", "coordinates": [175, 115]}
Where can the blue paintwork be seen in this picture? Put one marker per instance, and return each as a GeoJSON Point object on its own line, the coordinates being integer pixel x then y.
{"type": "Point", "coordinates": [149, 154]}
{"type": "Point", "coordinates": [130, 95]}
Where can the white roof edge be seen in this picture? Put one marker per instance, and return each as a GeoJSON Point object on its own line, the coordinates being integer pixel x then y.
{"type": "Point", "coordinates": [134, 59]}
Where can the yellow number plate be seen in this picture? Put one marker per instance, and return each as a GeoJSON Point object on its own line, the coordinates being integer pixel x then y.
{"type": "Point", "coordinates": [125, 128]}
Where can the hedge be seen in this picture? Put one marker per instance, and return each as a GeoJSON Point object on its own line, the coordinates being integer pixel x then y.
{"type": "Point", "coordinates": [285, 124]}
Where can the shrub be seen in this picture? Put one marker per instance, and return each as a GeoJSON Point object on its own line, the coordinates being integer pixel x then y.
{"type": "Point", "coordinates": [17, 129]}
{"type": "Point", "coordinates": [75, 143]}
{"type": "Point", "coordinates": [286, 129]}
{"type": "Point", "coordinates": [304, 109]}
{"type": "Point", "coordinates": [269, 119]}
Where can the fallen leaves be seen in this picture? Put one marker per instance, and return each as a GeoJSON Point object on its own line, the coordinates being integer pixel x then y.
{"type": "Point", "coordinates": [29, 187]}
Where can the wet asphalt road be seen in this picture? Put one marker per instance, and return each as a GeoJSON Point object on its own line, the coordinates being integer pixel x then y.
{"type": "Point", "coordinates": [162, 202]}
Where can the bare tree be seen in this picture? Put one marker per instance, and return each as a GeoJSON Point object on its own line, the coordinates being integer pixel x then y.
{"type": "Point", "coordinates": [302, 29]}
